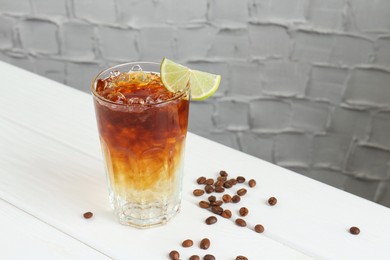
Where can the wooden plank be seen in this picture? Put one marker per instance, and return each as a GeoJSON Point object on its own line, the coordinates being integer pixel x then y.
{"type": "Point", "coordinates": [56, 184]}
{"type": "Point", "coordinates": [310, 216]}
{"type": "Point", "coordinates": [23, 236]}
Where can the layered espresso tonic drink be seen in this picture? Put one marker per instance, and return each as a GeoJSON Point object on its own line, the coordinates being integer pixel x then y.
{"type": "Point", "coordinates": [142, 128]}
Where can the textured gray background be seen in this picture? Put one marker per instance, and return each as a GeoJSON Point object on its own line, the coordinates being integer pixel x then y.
{"type": "Point", "coordinates": [306, 83]}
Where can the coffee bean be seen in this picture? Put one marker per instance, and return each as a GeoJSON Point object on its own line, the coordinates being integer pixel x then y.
{"type": "Point", "coordinates": [174, 255]}
{"type": "Point", "coordinates": [252, 183]}
{"type": "Point", "coordinates": [194, 257]}
{"type": "Point", "coordinates": [236, 199]}
{"type": "Point", "coordinates": [218, 203]}
{"type": "Point", "coordinates": [187, 243]}
{"type": "Point", "coordinates": [219, 183]}
{"type": "Point", "coordinates": [223, 173]}
{"type": "Point", "coordinates": [198, 192]}
{"type": "Point", "coordinates": [88, 215]}
{"type": "Point", "coordinates": [233, 181]}
{"type": "Point", "coordinates": [259, 228]}
{"type": "Point", "coordinates": [209, 182]}
{"type": "Point", "coordinates": [272, 201]}
{"type": "Point", "coordinates": [354, 230]}
{"type": "Point", "coordinates": [226, 198]}
{"type": "Point", "coordinates": [240, 179]}
{"type": "Point", "coordinates": [217, 210]}
{"type": "Point", "coordinates": [227, 185]}
{"type": "Point", "coordinates": [208, 188]}
{"type": "Point", "coordinates": [204, 243]}
{"type": "Point", "coordinates": [204, 204]}
{"type": "Point", "coordinates": [212, 198]}
{"type": "Point", "coordinates": [240, 222]}
{"type": "Point", "coordinates": [243, 211]}
{"type": "Point", "coordinates": [219, 189]}
{"type": "Point", "coordinates": [221, 178]}
{"type": "Point", "coordinates": [209, 257]}
{"type": "Point", "coordinates": [241, 192]}
{"type": "Point", "coordinates": [241, 257]}
{"type": "Point", "coordinates": [226, 214]}
{"type": "Point", "coordinates": [201, 180]}
{"type": "Point", "coordinates": [211, 220]}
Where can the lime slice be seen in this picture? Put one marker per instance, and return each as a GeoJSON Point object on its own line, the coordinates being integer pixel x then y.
{"type": "Point", "coordinates": [176, 77]}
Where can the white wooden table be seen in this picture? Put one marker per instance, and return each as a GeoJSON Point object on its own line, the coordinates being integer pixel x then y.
{"type": "Point", "coordinates": [51, 172]}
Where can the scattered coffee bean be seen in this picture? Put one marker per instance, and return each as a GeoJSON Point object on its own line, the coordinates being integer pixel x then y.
{"type": "Point", "coordinates": [217, 210]}
{"type": "Point", "coordinates": [259, 228]}
{"type": "Point", "coordinates": [194, 257]}
{"type": "Point", "coordinates": [174, 255]}
{"type": "Point", "coordinates": [204, 243]}
{"type": "Point", "coordinates": [252, 183]}
{"type": "Point", "coordinates": [226, 198]}
{"type": "Point", "coordinates": [219, 189]}
{"type": "Point", "coordinates": [240, 222]}
{"type": "Point", "coordinates": [201, 180]}
{"type": "Point", "coordinates": [240, 179]}
{"type": "Point", "coordinates": [221, 178]}
{"type": "Point", "coordinates": [208, 188]}
{"type": "Point", "coordinates": [209, 181]}
{"type": "Point", "coordinates": [187, 243]}
{"type": "Point", "coordinates": [219, 183]}
{"type": "Point", "coordinates": [226, 213]}
{"type": "Point", "coordinates": [204, 204]}
{"type": "Point", "coordinates": [227, 185]}
{"type": "Point", "coordinates": [243, 211]}
{"type": "Point", "coordinates": [209, 257]}
{"type": "Point", "coordinates": [233, 181]}
{"type": "Point", "coordinates": [217, 203]}
{"type": "Point", "coordinates": [212, 198]}
{"type": "Point", "coordinates": [241, 257]}
{"type": "Point", "coordinates": [354, 230]}
{"type": "Point", "coordinates": [236, 199]}
{"type": "Point", "coordinates": [241, 192]}
{"type": "Point", "coordinates": [211, 220]}
{"type": "Point", "coordinates": [272, 201]}
{"type": "Point", "coordinates": [198, 192]}
{"type": "Point", "coordinates": [223, 173]}
{"type": "Point", "coordinates": [88, 215]}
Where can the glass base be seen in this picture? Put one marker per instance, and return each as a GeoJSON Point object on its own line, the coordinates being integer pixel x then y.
{"type": "Point", "coordinates": [144, 216]}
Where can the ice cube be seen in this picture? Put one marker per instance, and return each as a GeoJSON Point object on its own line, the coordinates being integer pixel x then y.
{"type": "Point", "coordinates": [150, 100]}
{"type": "Point", "coordinates": [101, 85]}
{"type": "Point", "coordinates": [123, 77]}
{"type": "Point", "coordinates": [117, 97]}
{"type": "Point", "coordinates": [162, 97]}
{"type": "Point", "coordinates": [114, 73]}
{"type": "Point", "coordinates": [135, 101]}
{"type": "Point", "coordinates": [110, 84]}
{"type": "Point", "coordinates": [135, 68]}
{"type": "Point", "coordinates": [138, 75]}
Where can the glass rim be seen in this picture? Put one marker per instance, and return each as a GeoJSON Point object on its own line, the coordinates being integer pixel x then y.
{"type": "Point", "coordinates": [96, 95]}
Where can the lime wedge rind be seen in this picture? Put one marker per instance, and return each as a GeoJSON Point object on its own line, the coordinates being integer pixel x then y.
{"type": "Point", "coordinates": [198, 93]}
{"type": "Point", "coordinates": [176, 77]}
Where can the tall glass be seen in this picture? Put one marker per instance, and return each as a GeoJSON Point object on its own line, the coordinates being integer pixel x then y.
{"type": "Point", "coordinates": [142, 129]}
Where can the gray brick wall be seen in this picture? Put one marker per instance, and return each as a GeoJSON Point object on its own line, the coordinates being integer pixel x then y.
{"type": "Point", "coordinates": [306, 83]}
